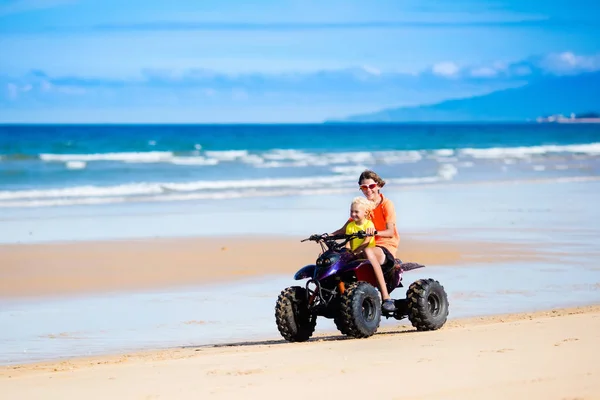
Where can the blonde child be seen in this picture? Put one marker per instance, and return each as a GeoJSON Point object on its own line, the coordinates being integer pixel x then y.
{"type": "Point", "coordinates": [360, 210]}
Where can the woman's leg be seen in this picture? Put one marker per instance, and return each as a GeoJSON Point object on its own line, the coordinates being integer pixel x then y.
{"type": "Point", "coordinates": [376, 256]}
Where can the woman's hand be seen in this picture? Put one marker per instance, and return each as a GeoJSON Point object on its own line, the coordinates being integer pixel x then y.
{"type": "Point", "coordinates": [370, 231]}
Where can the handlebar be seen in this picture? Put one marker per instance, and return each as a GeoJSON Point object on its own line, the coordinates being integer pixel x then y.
{"type": "Point", "coordinates": [327, 237]}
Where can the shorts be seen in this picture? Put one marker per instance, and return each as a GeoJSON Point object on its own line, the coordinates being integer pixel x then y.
{"type": "Point", "coordinates": [389, 262]}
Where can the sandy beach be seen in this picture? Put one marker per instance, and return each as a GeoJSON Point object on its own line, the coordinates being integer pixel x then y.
{"type": "Point", "coordinates": [101, 266]}
{"type": "Point", "coordinates": [192, 317]}
{"type": "Point", "coordinates": [543, 355]}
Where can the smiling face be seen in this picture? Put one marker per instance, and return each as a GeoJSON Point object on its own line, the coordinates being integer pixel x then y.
{"type": "Point", "coordinates": [370, 189]}
{"type": "Point", "coordinates": [358, 213]}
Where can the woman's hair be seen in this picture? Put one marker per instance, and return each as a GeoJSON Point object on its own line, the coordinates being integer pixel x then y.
{"type": "Point", "coordinates": [364, 203]}
{"type": "Point", "coordinates": [368, 174]}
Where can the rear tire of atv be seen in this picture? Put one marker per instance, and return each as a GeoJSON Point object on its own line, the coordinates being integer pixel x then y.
{"type": "Point", "coordinates": [360, 311]}
{"type": "Point", "coordinates": [294, 321]}
{"type": "Point", "coordinates": [427, 305]}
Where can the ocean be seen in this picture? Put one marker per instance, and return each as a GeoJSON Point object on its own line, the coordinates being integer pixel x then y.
{"type": "Point", "coordinates": [76, 165]}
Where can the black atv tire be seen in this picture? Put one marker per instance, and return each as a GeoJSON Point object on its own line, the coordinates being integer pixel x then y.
{"type": "Point", "coordinates": [341, 325]}
{"type": "Point", "coordinates": [427, 305]}
{"type": "Point", "coordinates": [360, 311]}
{"type": "Point", "coordinates": [294, 321]}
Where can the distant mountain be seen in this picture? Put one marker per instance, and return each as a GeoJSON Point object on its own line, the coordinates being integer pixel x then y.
{"type": "Point", "coordinates": [557, 95]}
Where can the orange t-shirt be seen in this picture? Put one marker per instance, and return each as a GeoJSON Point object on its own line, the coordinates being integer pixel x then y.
{"type": "Point", "coordinates": [383, 213]}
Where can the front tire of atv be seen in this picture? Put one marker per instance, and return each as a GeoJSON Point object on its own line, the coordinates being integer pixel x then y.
{"type": "Point", "coordinates": [427, 305]}
{"type": "Point", "coordinates": [294, 321]}
{"type": "Point", "coordinates": [360, 311]}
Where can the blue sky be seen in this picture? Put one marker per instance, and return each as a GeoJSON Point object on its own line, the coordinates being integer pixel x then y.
{"type": "Point", "coordinates": [270, 61]}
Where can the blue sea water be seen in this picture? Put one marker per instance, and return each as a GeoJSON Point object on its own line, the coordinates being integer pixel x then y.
{"type": "Point", "coordinates": [68, 165]}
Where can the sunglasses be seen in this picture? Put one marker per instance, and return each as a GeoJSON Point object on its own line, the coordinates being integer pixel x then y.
{"type": "Point", "coordinates": [371, 186]}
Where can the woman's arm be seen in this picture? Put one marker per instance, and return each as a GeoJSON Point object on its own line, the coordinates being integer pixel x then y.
{"type": "Point", "coordinates": [389, 231]}
{"type": "Point", "coordinates": [341, 230]}
{"type": "Point", "coordinates": [390, 220]}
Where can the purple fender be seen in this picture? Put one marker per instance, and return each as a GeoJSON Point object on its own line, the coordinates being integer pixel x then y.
{"type": "Point", "coordinates": [305, 272]}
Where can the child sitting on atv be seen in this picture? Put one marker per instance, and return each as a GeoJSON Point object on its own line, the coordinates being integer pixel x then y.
{"type": "Point", "coordinates": [360, 210]}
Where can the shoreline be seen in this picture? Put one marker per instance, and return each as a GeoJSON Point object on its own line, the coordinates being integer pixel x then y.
{"type": "Point", "coordinates": [510, 355]}
{"type": "Point", "coordinates": [185, 351]}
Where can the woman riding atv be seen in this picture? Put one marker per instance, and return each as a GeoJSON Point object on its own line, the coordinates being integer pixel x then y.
{"type": "Point", "coordinates": [383, 215]}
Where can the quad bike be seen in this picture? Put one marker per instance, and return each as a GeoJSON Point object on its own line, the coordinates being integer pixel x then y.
{"type": "Point", "coordinates": [343, 287]}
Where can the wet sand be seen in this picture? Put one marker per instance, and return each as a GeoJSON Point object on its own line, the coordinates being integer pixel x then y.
{"type": "Point", "coordinates": [543, 355]}
{"type": "Point", "coordinates": [68, 268]}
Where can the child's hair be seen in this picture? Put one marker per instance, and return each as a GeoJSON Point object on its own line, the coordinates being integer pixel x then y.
{"type": "Point", "coordinates": [368, 174]}
{"type": "Point", "coordinates": [364, 203]}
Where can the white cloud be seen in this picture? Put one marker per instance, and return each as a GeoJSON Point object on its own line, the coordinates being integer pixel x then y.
{"type": "Point", "coordinates": [344, 85]}
{"type": "Point", "coordinates": [484, 72]}
{"type": "Point", "coordinates": [568, 62]}
{"type": "Point", "coordinates": [563, 63]}
{"type": "Point", "coordinates": [14, 90]}
{"type": "Point", "coordinates": [45, 86]}
{"type": "Point", "coordinates": [568, 58]}
{"type": "Point", "coordinates": [446, 68]}
{"type": "Point", "coordinates": [522, 70]}
{"type": "Point", "coordinates": [371, 70]}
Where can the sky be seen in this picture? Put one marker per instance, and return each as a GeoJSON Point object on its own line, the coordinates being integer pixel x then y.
{"type": "Point", "coordinates": [276, 61]}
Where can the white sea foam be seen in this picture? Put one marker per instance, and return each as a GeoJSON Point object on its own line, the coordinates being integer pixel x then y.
{"type": "Point", "coordinates": [84, 191]}
{"type": "Point", "coordinates": [281, 154]}
{"type": "Point", "coordinates": [349, 170]}
{"type": "Point", "coordinates": [186, 192]}
{"type": "Point", "coordinates": [280, 158]}
{"type": "Point", "coordinates": [397, 157]}
{"type": "Point", "coordinates": [193, 161]}
{"type": "Point", "coordinates": [447, 171]}
{"type": "Point", "coordinates": [526, 152]}
{"type": "Point", "coordinates": [226, 155]}
{"type": "Point", "coordinates": [444, 152]}
{"type": "Point", "coordinates": [146, 188]}
{"type": "Point", "coordinates": [76, 164]}
{"type": "Point", "coordinates": [297, 158]}
{"type": "Point", "coordinates": [150, 156]}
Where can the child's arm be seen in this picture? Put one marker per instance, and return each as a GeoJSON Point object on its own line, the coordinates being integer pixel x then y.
{"type": "Point", "coordinates": [364, 244]}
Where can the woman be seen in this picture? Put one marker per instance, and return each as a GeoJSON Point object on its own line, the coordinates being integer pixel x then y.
{"type": "Point", "coordinates": [383, 216]}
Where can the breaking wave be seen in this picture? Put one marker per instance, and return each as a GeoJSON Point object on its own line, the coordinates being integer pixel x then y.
{"type": "Point", "coordinates": [173, 191]}
{"type": "Point", "coordinates": [298, 158]}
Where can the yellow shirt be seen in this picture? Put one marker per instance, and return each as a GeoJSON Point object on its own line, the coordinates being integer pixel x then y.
{"type": "Point", "coordinates": [353, 227]}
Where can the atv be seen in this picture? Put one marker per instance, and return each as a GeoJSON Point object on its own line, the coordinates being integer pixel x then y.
{"type": "Point", "coordinates": [343, 287]}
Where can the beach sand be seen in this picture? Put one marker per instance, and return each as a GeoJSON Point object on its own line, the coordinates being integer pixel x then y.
{"type": "Point", "coordinates": [542, 355]}
{"type": "Point", "coordinates": [68, 268]}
